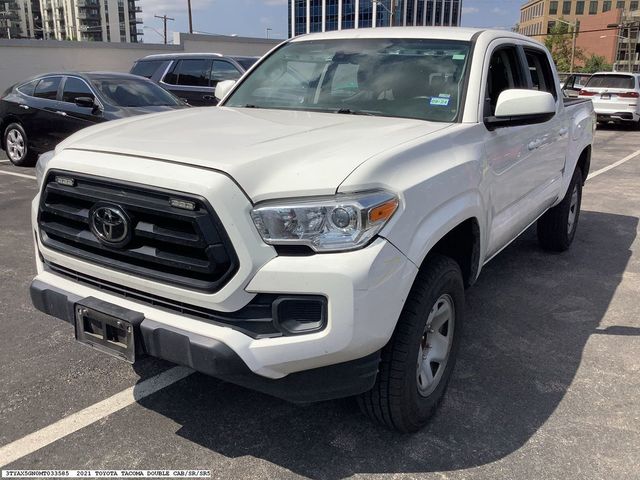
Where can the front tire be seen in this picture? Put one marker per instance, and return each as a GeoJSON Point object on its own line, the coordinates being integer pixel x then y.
{"type": "Point", "coordinates": [407, 392]}
{"type": "Point", "coordinates": [557, 227]}
{"type": "Point", "coordinates": [17, 147]}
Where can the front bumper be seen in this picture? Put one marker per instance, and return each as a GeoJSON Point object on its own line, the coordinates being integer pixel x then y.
{"type": "Point", "coordinates": [214, 358]}
{"type": "Point", "coordinates": [364, 290]}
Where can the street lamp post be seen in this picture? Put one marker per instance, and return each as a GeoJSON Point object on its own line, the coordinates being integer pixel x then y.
{"type": "Point", "coordinates": [268, 31]}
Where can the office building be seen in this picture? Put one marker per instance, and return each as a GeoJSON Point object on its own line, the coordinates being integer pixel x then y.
{"type": "Point", "coordinates": [306, 16]}
{"type": "Point", "coordinates": [82, 20]}
{"type": "Point", "coordinates": [538, 17]}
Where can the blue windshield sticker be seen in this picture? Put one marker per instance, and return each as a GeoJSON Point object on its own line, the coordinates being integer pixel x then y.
{"type": "Point", "coordinates": [441, 101]}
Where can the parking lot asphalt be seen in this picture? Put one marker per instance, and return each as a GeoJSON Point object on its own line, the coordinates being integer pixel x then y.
{"type": "Point", "coordinates": [547, 384]}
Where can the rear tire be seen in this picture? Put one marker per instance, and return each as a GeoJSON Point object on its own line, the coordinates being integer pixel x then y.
{"type": "Point", "coordinates": [17, 146]}
{"type": "Point", "coordinates": [407, 393]}
{"type": "Point", "coordinates": [557, 227]}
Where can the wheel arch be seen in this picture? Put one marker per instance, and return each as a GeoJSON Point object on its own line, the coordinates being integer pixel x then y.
{"type": "Point", "coordinates": [584, 162]}
{"type": "Point", "coordinates": [462, 244]}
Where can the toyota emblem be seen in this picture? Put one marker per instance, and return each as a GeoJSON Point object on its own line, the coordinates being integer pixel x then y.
{"type": "Point", "coordinates": [110, 225]}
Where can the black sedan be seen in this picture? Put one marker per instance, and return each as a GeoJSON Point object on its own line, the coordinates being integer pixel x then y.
{"type": "Point", "coordinates": [37, 114]}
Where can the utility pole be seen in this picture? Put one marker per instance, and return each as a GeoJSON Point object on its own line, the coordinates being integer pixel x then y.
{"type": "Point", "coordinates": [573, 46]}
{"type": "Point", "coordinates": [190, 17]}
{"type": "Point", "coordinates": [164, 19]}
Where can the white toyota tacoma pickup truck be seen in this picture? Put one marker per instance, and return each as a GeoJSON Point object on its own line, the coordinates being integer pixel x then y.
{"type": "Point", "coordinates": [312, 237]}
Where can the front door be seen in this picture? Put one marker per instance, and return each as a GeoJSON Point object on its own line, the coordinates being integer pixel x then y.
{"type": "Point", "coordinates": [75, 117]}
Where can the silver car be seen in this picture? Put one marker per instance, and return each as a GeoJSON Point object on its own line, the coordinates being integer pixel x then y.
{"type": "Point", "coordinates": [615, 96]}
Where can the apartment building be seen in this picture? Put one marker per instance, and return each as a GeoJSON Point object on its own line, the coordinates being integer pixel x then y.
{"type": "Point", "coordinates": [82, 20]}
{"type": "Point", "coordinates": [306, 16]}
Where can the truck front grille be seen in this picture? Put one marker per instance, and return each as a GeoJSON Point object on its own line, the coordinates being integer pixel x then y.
{"type": "Point", "coordinates": [173, 245]}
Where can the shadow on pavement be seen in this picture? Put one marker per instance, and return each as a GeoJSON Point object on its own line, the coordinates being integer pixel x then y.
{"type": "Point", "coordinates": [528, 320]}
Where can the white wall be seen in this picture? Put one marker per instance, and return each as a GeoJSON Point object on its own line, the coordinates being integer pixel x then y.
{"type": "Point", "coordinates": [20, 59]}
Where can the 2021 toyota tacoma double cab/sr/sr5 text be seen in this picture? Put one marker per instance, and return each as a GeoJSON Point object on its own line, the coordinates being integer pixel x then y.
{"type": "Point", "coordinates": [313, 236]}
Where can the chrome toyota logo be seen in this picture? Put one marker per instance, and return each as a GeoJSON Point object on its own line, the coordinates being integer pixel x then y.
{"type": "Point", "coordinates": [110, 224]}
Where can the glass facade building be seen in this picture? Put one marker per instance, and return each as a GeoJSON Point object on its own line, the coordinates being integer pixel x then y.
{"type": "Point", "coordinates": [306, 16]}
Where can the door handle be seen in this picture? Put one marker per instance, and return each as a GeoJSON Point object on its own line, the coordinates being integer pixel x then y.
{"type": "Point", "coordinates": [59, 112]}
{"type": "Point", "coordinates": [563, 131]}
{"type": "Point", "coordinates": [26, 107]}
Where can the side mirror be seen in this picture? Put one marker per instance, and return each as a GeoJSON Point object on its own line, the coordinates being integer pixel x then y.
{"type": "Point", "coordinates": [522, 107]}
{"type": "Point", "coordinates": [86, 102]}
{"type": "Point", "coordinates": [222, 88]}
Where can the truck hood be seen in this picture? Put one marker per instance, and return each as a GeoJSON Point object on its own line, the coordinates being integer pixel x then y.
{"type": "Point", "coordinates": [269, 153]}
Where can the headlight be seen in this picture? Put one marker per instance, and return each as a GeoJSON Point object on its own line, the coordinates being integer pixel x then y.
{"type": "Point", "coordinates": [342, 222]}
{"type": "Point", "coordinates": [41, 166]}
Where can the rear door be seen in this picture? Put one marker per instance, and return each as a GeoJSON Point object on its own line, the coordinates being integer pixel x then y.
{"type": "Point", "coordinates": [75, 117]}
{"type": "Point", "coordinates": [189, 80]}
{"type": "Point", "coordinates": [552, 139]}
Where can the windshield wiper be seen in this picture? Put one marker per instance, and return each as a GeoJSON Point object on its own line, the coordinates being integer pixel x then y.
{"type": "Point", "coordinates": [348, 111]}
{"type": "Point", "coordinates": [249, 105]}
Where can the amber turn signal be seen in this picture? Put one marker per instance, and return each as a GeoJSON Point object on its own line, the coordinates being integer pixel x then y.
{"type": "Point", "coordinates": [383, 212]}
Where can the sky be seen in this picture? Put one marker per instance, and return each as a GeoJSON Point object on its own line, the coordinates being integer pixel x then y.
{"type": "Point", "coordinates": [252, 17]}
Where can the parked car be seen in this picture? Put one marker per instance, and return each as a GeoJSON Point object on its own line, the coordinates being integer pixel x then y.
{"type": "Point", "coordinates": [615, 97]}
{"type": "Point", "coordinates": [316, 243]}
{"type": "Point", "coordinates": [192, 76]}
{"type": "Point", "coordinates": [37, 114]}
{"type": "Point", "coordinates": [574, 83]}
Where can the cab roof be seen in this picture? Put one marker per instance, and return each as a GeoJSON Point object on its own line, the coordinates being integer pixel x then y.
{"type": "Point", "coordinates": [436, 33]}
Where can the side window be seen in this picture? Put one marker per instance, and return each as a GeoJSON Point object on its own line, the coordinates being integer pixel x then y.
{"type": "Point", "coordinates": [28, 88]}
{"type": "Point", "coordinates": [541, 72]}
{"type": "Point", "coordinates": [221, 70]}
{"type": "Point", "coordinates": [505, 73]}
{"type": "Point", "coordinates": [190, 73]}
{"type": "Point", "coordinates": [570, 82]}
{"type": "Point", "coordinates": [146, 68]}
{"type": "Point", "coordinates": [47, 88]}
{"type": "Point", "coordinates": [74, 88]}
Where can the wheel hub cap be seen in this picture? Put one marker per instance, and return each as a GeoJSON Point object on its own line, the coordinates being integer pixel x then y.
{"type": "Point", "coordinates": [435, 345]}
{"type": "Point", "coordinates": [15, 145]}
{"type": "Point", "coordinates": [573, 210]}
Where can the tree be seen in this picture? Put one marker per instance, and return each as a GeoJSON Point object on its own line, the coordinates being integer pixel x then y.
{"type": "Point", "coordinates": [516, 28]}
{"type": "Point", "coordinates": [559, 41]}
{"type": "Point", "coordinates": [596, 63]}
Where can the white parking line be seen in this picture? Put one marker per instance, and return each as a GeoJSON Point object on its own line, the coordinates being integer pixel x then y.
{"type": "Point", "coordinates": [15, 174]}
{"type": "Point", "coordinates": [37, 440]}
{"type": "Point", "coordinates": [613, 165]}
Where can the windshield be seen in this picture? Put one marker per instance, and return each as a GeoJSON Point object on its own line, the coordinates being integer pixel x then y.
{"type": "Point", "coordinates": [410, 78]}
{"type": "Point", "coordinates": [611, 81]}
{"type": "Point", "coordinates": [129, 92]}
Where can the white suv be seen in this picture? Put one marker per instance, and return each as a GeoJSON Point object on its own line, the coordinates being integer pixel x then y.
{"type": "Point", "coordinates": [615, 96]}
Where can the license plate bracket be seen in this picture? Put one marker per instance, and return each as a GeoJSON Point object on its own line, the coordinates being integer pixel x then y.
{"type": "Point", "coordinates": [108, 328]}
